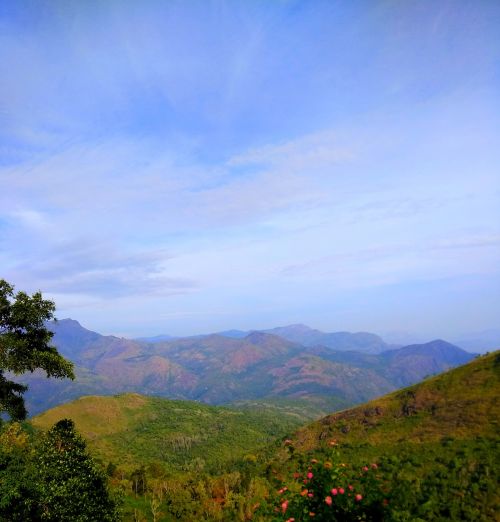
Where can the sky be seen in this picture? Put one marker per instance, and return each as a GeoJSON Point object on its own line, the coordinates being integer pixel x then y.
{"type": "Point", "coordinates": [186, 167]}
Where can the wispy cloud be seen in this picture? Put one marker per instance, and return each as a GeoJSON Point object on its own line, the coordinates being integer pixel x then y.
{"type": "Point", "coordinates": [182, 159]}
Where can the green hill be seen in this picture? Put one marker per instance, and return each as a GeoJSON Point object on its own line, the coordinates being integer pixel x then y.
{"type": "Point", "coordinates": [133, 430]}
{"type": "Point", "coordinates": [436, 445]}
{"type": "Point", "coordinates": [462, 403]}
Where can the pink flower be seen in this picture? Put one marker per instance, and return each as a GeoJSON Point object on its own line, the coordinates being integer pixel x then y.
{"type": "Point", "coordinates": [284, 506]}
{"type": "Point", "coordinates": [310, 475]}
{"type": "Point", "coordinates": [290, 520]}
{"type": "Point", "coordinates": [310, 495]}
{"type": "Point", "coordinates": [374, 466]}
{"type": "Point", "coordinates": [358, 497]}
{"type": "Point", "coordinates": [328, 500]}
{"type": "Point", "coordinates": [334, 491]}
{"type": "Point", "coordinates": [350, 487]}
{"type": "Point", "coordinates": [341, 491]}
{"type": "Point", "coordinates": [365, 468]}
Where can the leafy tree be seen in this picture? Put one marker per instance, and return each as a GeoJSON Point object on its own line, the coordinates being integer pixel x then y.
{"type": "Point", "coordinates": [72, 488]}
{"type": "Point", "coordinates": [25, 345]}
{"type": "Point", "coordinates": [18, 492]}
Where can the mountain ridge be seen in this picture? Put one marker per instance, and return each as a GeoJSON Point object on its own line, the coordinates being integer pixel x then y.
{"type": "Point", "coordinates": [216, 369]}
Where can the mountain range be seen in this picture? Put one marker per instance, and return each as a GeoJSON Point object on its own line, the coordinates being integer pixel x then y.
{"type": "Point", "coordinates": [431, 450]}
{"type": "Point", "coordinates": [218, 369]}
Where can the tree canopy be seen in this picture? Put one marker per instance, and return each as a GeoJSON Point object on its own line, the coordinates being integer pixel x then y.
{"type": "Point", "coordinates": [72, 488]}
{"type": "Point", "coordinates": [25, 345]}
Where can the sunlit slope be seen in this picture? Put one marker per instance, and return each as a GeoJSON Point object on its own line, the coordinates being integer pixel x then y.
{"type": "Point", "coordinates": [132, 430]}
{"type": "Point", "coordinates": [463, 403]}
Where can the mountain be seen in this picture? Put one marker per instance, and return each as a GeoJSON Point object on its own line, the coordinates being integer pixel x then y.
{"type": "Point", "coordinates": [339, 341]}
{"type": "Point", "coordinates": [306, 336]}
{"type": "Point", "coordinates": [156, 338]}
{"type": "Point", "coordinates": [411, 363]}
{"type": "Point", "coordinates": [71, 338]}
{"type": "Point", "coordinates": [234, 334]}
{"type": "Point", "coordinates": [131, 429]}
{"type": "Point", "coordinates": [216, 369]}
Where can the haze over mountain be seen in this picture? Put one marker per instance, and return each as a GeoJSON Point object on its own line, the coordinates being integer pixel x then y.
{"type": "Point", "coordinates": [306, 336]}
{"type": "Point", "coordinates": [484, 341]}
{"type": "Point", "coordinates": [217, 369]}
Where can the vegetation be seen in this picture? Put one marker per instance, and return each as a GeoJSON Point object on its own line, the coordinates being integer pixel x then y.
{"type": "Point", "coordinates": [428, 452]}
{"type": "Point", "coordinates": [176, 436]}
{"type": "Point", "coordinates": [25, 345]}
{"type": "Point", "coordinates": [51, 477]}
{"type": "Point", "coordinates": [435, 448]}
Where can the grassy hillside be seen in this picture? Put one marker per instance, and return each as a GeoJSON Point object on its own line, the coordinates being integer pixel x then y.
{"type": "Point", "coordinates": [133, 430]}
{"type": "Point", "coordinates": [436, 445]}
{"type": "Point", "coordinates": [462, 403]}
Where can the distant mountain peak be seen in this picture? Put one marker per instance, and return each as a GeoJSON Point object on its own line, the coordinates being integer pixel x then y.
{"type": "Point", "coordinates": [257, 337]}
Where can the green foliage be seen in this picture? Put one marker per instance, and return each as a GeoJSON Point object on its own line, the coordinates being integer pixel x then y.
{"type": "Point", "coordinates": [51, 478]}
{"type": "Point", "coordinates": [25, 345]}
{"type": "Point", "coordinates": [331, 490]}
{"type": "Point", "coordinates": [179, 436]}
{"type": "Point", "coordinates": [451, 480]}
{"type": "Point", "coordinates": [72, 487]}
{"type": "Point", "coordinates": [448, 480]}
{"type": "Point", "coordinates": [18, 490]}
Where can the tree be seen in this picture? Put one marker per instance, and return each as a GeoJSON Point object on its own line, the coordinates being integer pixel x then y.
{"type": "Point", "coordinates": [72, 488]}
{"type": "Point", "coordinates": [25, 345]}
{"type": "Point", "coordinates": [18, 492]}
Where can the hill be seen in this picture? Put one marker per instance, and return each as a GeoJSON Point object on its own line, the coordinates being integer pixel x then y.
{"type": "Point", "coordinates": [434, 448]}
{"type": "Point", "coordinates": [133, 430]}
{"type": "Point", "coordinates": [462, 403]}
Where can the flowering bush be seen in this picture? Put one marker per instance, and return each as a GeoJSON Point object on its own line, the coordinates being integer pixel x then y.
{"type": "Point", "coordinates": [330, 490]}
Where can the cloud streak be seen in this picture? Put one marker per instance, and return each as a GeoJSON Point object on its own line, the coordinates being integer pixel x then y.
{"type": "Point", "coordinates": [252, 161]}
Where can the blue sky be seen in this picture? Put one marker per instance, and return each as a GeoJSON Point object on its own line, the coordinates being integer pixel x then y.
{"type": "Point", "coordinates": [184, 167]}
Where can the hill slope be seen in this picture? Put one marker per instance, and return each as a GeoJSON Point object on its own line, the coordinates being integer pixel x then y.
{"type": "Point", "coordinates": [132, 429]}
{"type": "Point", "coordinates": [434, 448]}
{"type": "Point", "coordinates": [462, 403]}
